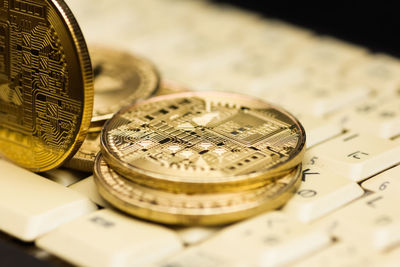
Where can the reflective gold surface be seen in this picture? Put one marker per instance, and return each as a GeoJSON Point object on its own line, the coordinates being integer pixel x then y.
{"type": "Point", "coordinates": [203, 142]}
{"type": "Point", "coordinates": [120, 79]}
{"type": "Point", "coordinates": [46, 83]}
{"type": "Point", "coordinates": [83, 160]}
{"type": "Point", "coordinates": [192, 209]}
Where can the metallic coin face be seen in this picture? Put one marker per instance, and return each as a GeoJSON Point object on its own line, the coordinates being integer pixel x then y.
{"type": "Point", "coordinates": [83, 160]}
{"type": "Point", "coordinates": [190, 140]}
{"type": "Point", "coordinates": [46, 83]}
{"type": "Point", "coordinates": [205, 209]}
{"type": "Point", "coordinates": [120, 79]}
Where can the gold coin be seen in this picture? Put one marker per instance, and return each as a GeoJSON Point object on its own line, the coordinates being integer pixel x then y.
{"type": "Point", "coordinates": [83, 160]}
{"type": "Point", "coordinates": [120, 79]}
{"type": "Point", "coordinates": [203, 142]}
{"type": "Point", "coordinates": [46, 83]}
{"type": "Point", "coordinates": [192, 209]}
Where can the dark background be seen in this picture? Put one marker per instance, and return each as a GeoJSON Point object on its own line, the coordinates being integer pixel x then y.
{"type": "Point", "coordinates": [375, 25]}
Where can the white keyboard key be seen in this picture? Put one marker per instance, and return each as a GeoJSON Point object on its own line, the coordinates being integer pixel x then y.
{"type": "Point", "coordinates": [217, 61]}
{"type": "Point", "coordinates": [328, 55]}
{"type": "Point", "coordinates": [224, 249]}
{"type": "Point", "coordinates": [107, 238]}
{"type": "Point", "coordinates": [246, 243]}
{"type": "Point", "coordinates": [65, 177]}
{"type": "Point", "coordinates": [358, 155]}
{"type": "Point", "coordinates": [323, 95]}
{"type": "Point", "coordinates": [380, 72]}
{"type": "Point", "coordinates": [341, 254]}
{"type": "Point", "coordinates": [387, 236]}
{"type": "Point", "coordinates": [387, 180]}
{"type": "Point", "coordinates": [321, 191]}
{"type": "Point", "coordinates": [31, 205]}
{"type": "Point", "coordinates": [88, 188]}
{"type": "Point", "coordinates": [378, 115]}
{"type": "Point", "coordinates": [295, 249]}
{"type": "Point", "coordinates": [318, 129]}
{"type": "Point", "coordinates": [196, 234]}
{"type": "Point", "coordinates": [370, 220]}
{"type": "Point", "coordinates": [268, 87]}
{"type": "Point", "coordinates": [252, 66]}
{"type": "Point", "coordinates": [320, 101]}
{"type": "Point", "coordinates": [197, 257]}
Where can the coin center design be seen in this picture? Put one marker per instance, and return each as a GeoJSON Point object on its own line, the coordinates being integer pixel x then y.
{"type": "Point", "coordinates": [195, 136]}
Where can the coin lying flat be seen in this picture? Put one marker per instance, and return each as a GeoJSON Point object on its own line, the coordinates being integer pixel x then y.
{"type": "Point", "coordinates": [46, 83]}
{"type": "Point", "coordinates": [194, 209]}
{"type": "Point", "coordinates": [202, 142]}
{"type": "Point", "coordinates": [120, 79]}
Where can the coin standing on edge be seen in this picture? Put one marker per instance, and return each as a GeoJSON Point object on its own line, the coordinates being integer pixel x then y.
{"type": "Point", "coordinates": [46, 84]}
{"type": "Point", "coordinates": [203, 142]}
{"type": "Point", "coordinates": [192, 209]}
{"type": "Point", "coordinates": [120, 79]}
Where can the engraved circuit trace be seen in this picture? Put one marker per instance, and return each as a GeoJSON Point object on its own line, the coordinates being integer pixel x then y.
{"type": "Point", "coordinates": [40, 107]}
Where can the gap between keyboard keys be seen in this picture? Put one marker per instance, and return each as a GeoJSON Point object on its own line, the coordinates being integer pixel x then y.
{"type": "Point", "coordinates": [321, 191]}
{"type": "Point", "coordinates": [387, 180]}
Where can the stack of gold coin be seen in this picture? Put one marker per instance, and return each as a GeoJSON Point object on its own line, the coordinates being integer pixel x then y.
{"type": "Point", "coordinates": [199, 158]}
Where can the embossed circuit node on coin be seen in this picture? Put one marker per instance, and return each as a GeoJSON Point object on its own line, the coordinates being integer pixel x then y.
{"type": "Point", "coordinates": [46, 83]}
{"type": "Point", "coordinates": [204, 141]}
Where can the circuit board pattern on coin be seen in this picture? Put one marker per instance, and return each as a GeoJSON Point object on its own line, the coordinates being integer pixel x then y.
{"type": "Point", "coordinates": [120, 79]}
{"type": "Point", "coordinates": [202, 137]}
{"type": "Point", "coordinates": [45, 83]}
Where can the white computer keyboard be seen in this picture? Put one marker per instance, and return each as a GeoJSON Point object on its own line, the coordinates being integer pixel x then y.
{"type": "Point", "coordinates": [346, 211]}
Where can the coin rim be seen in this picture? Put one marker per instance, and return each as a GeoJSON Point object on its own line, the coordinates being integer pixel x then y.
{"type": "Point", "coordinates": [81, 49]}
{"type": "Point", "coordinates": [193, 218]}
